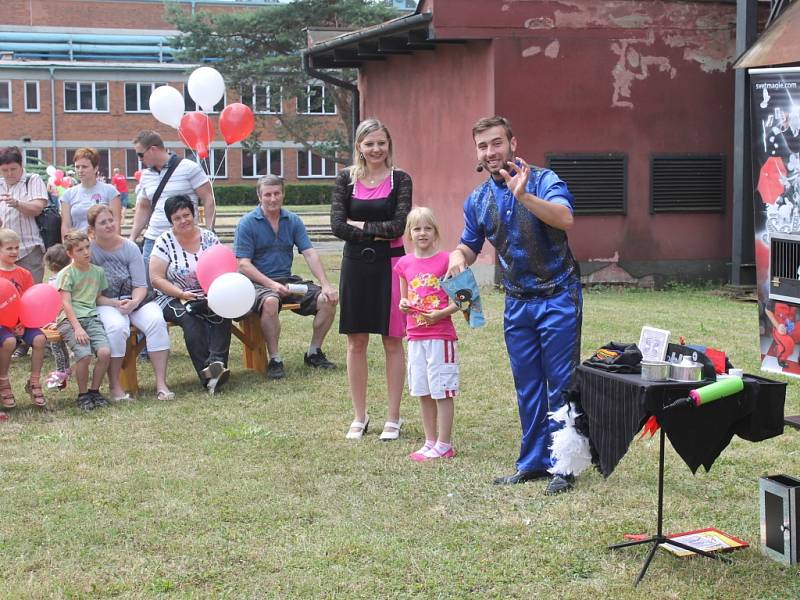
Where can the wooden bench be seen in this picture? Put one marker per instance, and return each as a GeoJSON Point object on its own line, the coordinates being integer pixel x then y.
{"type": "Point", "coordinates": [247, 331]}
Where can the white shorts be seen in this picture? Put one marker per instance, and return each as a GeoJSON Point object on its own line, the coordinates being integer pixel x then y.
{"type": "Point", "coordinates": [432, 368]}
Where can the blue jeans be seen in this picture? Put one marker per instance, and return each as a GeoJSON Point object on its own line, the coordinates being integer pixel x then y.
{"type": "Point", "coordinates": [543, 338]}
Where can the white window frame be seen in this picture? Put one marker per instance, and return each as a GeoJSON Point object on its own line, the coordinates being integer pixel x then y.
{"type": "Point", "coordinates": [27, 151]}
{"type": "Point", "coordinates": [267, 92]}
{"type": "Point", "coordinates": [10, 98]}
{"type": "Point", "coordinates": [94, 108]}
{"type": "Point", "coordinates": [139, 84]}
{"type": "Point", "coordinates": [187, 97]}
{"type": "Point", "coordinates": [38, 98]}
{"type": "Point", "coordinates": [325, 161]}
{"type": "Point", "coordinates": [210, 162]}
{"type": "Point", "coordinates": [269, 163]}
{"type": "Point", "coordinates": [307, 101]}
{"type": "Point", "coordinates": [139, 165]}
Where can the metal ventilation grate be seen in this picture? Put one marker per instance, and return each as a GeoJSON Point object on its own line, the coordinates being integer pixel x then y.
{"type": "Point", "coordinates": [784, 267]}
{"type": "Point", "coordinates": [686, 183]}
{"type": "Point", "coordinates": [598, 181]}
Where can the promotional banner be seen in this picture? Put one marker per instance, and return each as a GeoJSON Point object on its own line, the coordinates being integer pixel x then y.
{"type": "Point", "coordinates": [775, 119]}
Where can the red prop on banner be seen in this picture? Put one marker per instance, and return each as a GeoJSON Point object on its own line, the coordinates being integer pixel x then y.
{"type": "Point", "coordinates": [197, 131]}
{"type": "Point", "coordinates": [39, 305]}
{"type": "Point", "coordinates": [9, 304]}
{"type": "Point", "coordinates": [236, 122]}
{"type": "Point", "coordinates": [216, 261]}
{"type": "Point", "coordinates": [770, 184]}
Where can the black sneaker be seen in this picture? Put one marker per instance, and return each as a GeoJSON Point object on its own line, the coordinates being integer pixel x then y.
{"type": "Point", "coordinates": [318, 360]}
{"type": "Point", "coordinates": [558, 484]}
{"type": "Point", "coordinates": [85, 401]}
{"type": "Point", "coordinates": [215, 383]}
{"type": "Point", "coordinates": [275, 369]}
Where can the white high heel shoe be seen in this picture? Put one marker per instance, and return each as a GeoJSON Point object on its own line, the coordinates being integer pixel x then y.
{"type": "Point", "coordinates": [388, 436]}
{"type": "Point", "coordinates": [360, 427]}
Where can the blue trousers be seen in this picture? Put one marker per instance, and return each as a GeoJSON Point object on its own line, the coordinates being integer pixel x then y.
{"type": "Point", "coordinates": [543, 338]}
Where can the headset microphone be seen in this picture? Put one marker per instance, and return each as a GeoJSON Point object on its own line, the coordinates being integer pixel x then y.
{"type": "Point", "coordinates": [479, 168]}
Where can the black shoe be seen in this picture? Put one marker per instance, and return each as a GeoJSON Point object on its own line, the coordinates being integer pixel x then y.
{"type": "Point", "coordinates": [213, 370]}
{"type": "Point", "coordinates": [521, 477]}
{"type": "Point", "coordinates": [275, 369]}
{"type": "Point", "coordinates": [85, 401]}
{"type": "Point", "coordinates": [558, 484]}
{"type": "Point", "coordinates": [318, 360]}
{"type": "Point", "coordinates": [99, 399]}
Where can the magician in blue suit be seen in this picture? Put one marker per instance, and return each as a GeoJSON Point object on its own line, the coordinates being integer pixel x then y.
{"type": "Point", "coordinates": [525, 212]}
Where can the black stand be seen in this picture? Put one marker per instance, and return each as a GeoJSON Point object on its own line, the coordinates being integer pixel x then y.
{"type": "Point", "coordinates": [659, 538]}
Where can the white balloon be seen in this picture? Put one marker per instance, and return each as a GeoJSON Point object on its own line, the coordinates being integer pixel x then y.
{"type": "Point", "coordinates": [166, 104]}
{"type": "Point", "coordinates": [50, 170]}
{"type": "Point", "coordinates": [206, 87]}
{"type": "Point", "coordinates": [231, 295]}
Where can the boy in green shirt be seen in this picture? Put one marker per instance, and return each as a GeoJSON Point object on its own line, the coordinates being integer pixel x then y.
{"type": "Point", "coordinates": [80, 285]}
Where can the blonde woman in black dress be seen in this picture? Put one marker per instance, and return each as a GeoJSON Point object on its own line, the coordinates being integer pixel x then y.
{"type": "Point", "coordinates": [368, 211]}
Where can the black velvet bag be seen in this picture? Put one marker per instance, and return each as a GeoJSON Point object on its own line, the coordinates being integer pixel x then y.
{"type": "Point", "coordinates": [617, 358]}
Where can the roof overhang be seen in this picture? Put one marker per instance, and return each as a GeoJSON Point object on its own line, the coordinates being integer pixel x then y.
{"type": "Point", "coordinates": [778, 45]}
{"type": "Point", "coordinates": [404, 35]}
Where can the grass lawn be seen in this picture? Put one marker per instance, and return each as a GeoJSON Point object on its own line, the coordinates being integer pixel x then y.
{"type": "Point", "coordinates": [255, 492]}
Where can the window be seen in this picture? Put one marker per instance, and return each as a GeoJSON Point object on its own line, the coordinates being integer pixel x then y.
{"type": "Point", "coordinates": [32, 157]}
{"type": "Point", "coordinates": [311, 165]}
{"type": "Point", "coordinates": [682, 183]}
{"type": "Point", "coordinates": [5, 96]}
{"type": "Point", "coordinates": [597, 181]}
{"type": "Point", "coordinates": [264, 99]}
{"type": "Point", "coordinates": [216, 165]}
{"type": "Point", "coordinates": [132, 163]}
{"type": "Point", "coordinates": [264, 162]}
{"type": "Point", "coordinates": [317, 101]}
{"type": "Point", "coordinates": [137, 96]}
{"type": "Point", "coordinates": [85, 96]}
{"type": "Point", "coordinates": [192, 106]}
{"type": "Point", "coordinates": [31, 96]}
{"type": "Point", "coordinates": [104, 166]}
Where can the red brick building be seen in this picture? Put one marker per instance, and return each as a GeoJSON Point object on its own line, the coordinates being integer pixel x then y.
{"type": "Point", "coordinates": [79, 73]}
{"type": "Point", "coordinates": [631, 102]}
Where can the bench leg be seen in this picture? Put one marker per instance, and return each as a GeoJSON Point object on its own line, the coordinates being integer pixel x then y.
{"type": "Point", "coordinates": [128, 377]}
{"type": "Point", "coordinates": [255, 354]}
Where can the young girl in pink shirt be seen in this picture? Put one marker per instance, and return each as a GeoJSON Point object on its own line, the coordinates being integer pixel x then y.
{"type": "Point", "coordinates": [432, 357]}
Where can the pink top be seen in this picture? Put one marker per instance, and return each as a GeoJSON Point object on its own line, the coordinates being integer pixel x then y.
{"type": "Point", "coordinates": [382, 190]}
{"type": "Point", "coordinates": [423, 276]}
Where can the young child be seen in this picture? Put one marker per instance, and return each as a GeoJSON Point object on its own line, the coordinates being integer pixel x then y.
{"type": "Point", "coordinates": [432, 362]}
{"type": "Point", "coordinates": [80, 285]}
{"type": "Point", "coordinates": [56, 259]}
{"type": "Point", "coordinates": [22, 280]}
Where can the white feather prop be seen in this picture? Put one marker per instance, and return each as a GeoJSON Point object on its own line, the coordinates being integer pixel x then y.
{"type": "Point", "coordinates": [570, 449]}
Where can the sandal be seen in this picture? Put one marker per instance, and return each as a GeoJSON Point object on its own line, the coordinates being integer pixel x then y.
{"type": "Point", "coordinates": [34, 388]}
{"type": "Point", "coordinates": [6, 395]}
{"type": "Point", "coordinates": [360, 429]}
{"type": "Point", "coordinates": [391, 430]}
{"type": "Point", "coordinates": [165, 395]}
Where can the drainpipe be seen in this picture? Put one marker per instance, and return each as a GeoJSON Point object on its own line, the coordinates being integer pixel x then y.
{"type": "Point", "coordinates": [53, 113]}
{"type": "Point", "coordinates": [317, 74]}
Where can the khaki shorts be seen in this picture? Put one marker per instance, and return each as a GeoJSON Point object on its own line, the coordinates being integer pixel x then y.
{"type": "Point", "coordinates": [94, 329]}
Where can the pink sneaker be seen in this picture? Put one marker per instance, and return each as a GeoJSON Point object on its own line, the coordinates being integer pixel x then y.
{"type": "Point", "coordinates": [417, 456]}
{"type": "Point", "coordinates": [433, 454]}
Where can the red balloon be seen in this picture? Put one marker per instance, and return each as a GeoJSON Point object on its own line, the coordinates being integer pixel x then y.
{"type": "Point", "coordinates": [197, 131]}
{"type": "Point", "coordinates": [39, 305]}
{"type": "Point", "coordinates": [214, 262]}
{"type": "Point", "coordinates": [137, 175]}
{"type": "Point", "coordinates": [236, 122]}
{"type": "Point", "coordinates": [9, 304]}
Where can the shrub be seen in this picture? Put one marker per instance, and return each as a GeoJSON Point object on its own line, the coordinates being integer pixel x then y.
{"type": "Point", "coordinates": [296, 194]}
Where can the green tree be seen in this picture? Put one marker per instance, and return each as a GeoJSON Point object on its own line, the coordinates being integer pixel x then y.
{"type": "Point", "coordinates": [261, 46]}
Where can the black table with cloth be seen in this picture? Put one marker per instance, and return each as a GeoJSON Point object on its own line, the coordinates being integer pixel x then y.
{"type": "Point", "coordinates": [617, 406]}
